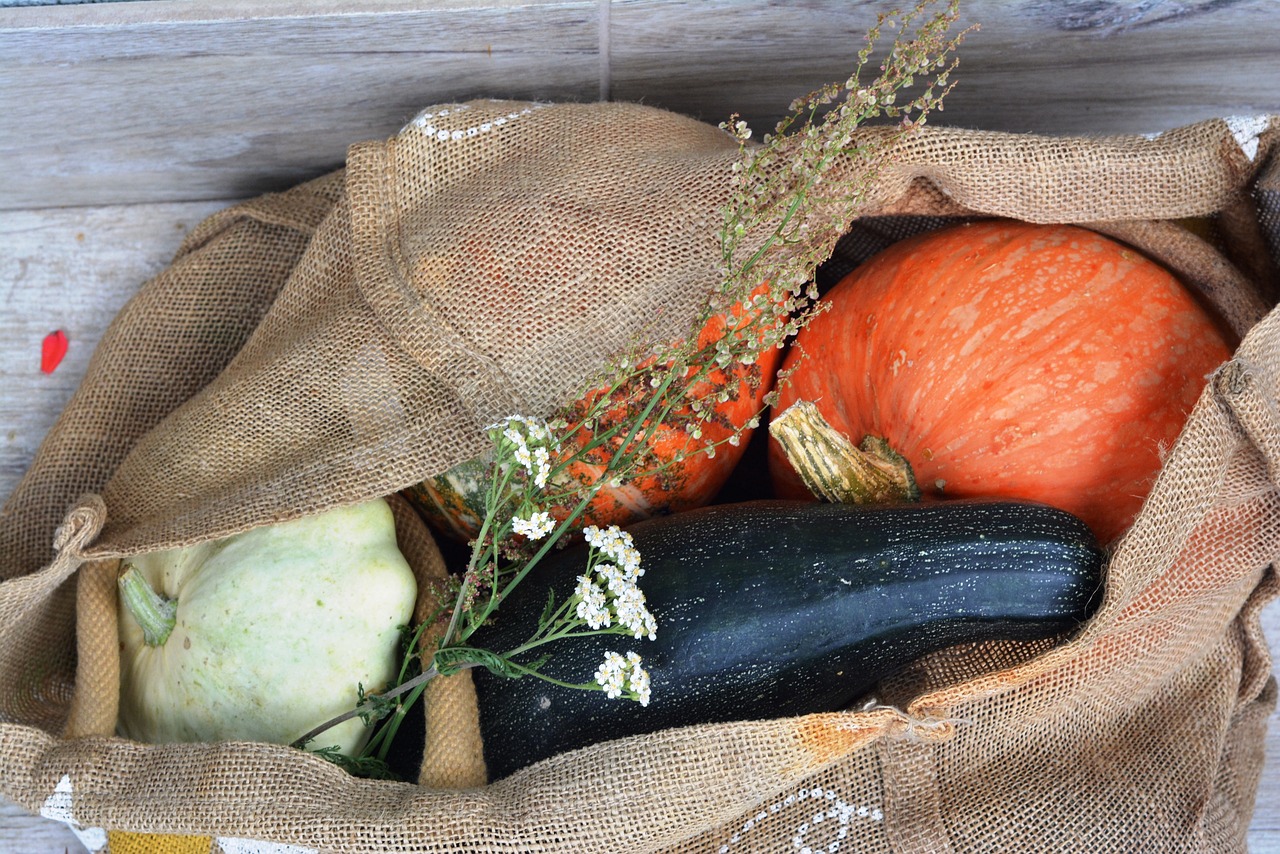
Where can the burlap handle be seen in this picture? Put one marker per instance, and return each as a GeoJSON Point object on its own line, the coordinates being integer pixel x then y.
{"type": "Point", "coordinates": [36, 608]}
{"type": "Point", "coordinates": [452, 755]}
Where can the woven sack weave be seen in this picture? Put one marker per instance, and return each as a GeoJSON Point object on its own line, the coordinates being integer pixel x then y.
{"type": "Point", "coordinates": [349, 337]}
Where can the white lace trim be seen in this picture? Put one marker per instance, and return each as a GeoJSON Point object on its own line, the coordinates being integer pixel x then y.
{"type": "Point", "coordinates": [57, 807]}
{"type": "Point", "coordinates": [819, 819]}
{"type": "Point", "coordinates": [234, 845]}
{"type": "Point", "coordinates": [1246, 130]}
{"type": "Point", "coordinates": [442, 124]}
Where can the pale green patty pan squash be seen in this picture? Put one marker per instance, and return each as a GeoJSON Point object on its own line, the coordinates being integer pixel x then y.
{"type": "Point", "coordinates": [273, 630]}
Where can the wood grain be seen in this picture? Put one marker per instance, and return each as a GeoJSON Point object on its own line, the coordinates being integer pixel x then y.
{"type": "Point", "coordinates": [105, 113]}
{"type": "Point", "coordinates": [171, 100]}
{"type": "Point", "coordinates": [1032, 66]}
{"type": "Point", "coordinates": [24, 833]}
{"type": "Point", "coordinates": [69, 269]}
{"type": "Point", "coordinates": [126, 123]}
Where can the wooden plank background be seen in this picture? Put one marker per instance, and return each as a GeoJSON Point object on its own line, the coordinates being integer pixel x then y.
{"type": "Point", "coordinates": [124, 124]}
{"type": "Point", "coordinates": [117, 103]}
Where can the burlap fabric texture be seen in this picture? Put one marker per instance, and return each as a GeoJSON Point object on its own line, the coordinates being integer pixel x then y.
{"type": "Point", "coordinates": [346, 338]}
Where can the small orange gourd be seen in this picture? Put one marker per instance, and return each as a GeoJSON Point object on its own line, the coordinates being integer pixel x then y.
{"type": "Point", "coordinates": [680, 476]}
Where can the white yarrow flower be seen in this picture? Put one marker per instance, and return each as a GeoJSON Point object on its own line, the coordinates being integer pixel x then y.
{"type": "Point", "coordinates": [614, 543]}
{"type": "Point", "coordinates": [612, 675]}
{"type": "Point", "coordinates": [634, 615]}
{"type": "Point", "coordinates": [593, 605]}
{"type": "Point", "coordinates": [540, 467]}
{"type": "Point", "coordinates": [531, 442]}
{"type": "Point", "coordinates": [629, 560]}
{"type": "Point", "coordinates": [609, 592]}
{"type": "Point", "coordinates": [638, 679]}
{"type": "Point", "coordinates": [618, 674]}
{"type": "Point", "coordinates": [624, 601]}
{"type": "Point", "coordinates": [515, 437]}
{"type": "Point", "coordinates": [612, 578]}
{"type": "Point", "coordinates": [537, 526]}
{"type": "Point", "coordinates": [538, 431]}
{"type": "Point", "coordinates": [592, 533]}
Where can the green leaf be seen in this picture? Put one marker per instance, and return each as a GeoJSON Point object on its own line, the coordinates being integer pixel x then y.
{"type": "Point", "coordinates": [379, 707]}
{"type": "Point", "coordinates": [452, 659]}
{"type": "Point", "coordinates": [532, 667]}
{"type": "Point", "coordinates": [549, 610]}
{"type": "Point", "coordinates": [369, 767]}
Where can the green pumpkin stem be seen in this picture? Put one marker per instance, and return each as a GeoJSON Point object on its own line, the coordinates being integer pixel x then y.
{"type": "Point", "coordinates": [836, 470]}
{"type": "Point", "coordinates": [154, 613]}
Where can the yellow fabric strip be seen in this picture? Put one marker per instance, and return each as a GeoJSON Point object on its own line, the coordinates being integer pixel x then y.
{"type": "Point", "coordinates": [119, 842]}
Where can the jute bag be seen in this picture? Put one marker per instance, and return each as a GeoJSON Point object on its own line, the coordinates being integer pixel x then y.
{"type": "Point", "coordinates": [344, 339]}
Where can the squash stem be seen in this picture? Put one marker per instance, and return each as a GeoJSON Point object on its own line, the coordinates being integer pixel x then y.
{"type": "Point", "coordinates": [154, 613]}
{"type": "Point", "coordinates": [836, 470]}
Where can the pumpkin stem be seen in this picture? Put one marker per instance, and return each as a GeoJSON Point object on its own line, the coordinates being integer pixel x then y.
{"type": "Point", "coordinates": [836, 470]}
{"type": "Point", "coordinates": [154, 613]}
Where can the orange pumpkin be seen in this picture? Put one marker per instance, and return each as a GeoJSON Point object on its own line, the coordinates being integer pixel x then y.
{"type": "Point", "coordinates": [1006, 359]}
{"type": "Point", "coordinates": [454, 501]}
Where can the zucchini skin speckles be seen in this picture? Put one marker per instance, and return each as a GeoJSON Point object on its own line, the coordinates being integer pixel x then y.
{"type": "Point", "coordinates": [774, 608]}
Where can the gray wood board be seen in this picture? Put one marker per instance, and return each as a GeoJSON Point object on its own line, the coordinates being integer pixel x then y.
{"type": "Point", "coordinates": [195, 104]}
{"type": "Point", "coordinates": [164, 101]}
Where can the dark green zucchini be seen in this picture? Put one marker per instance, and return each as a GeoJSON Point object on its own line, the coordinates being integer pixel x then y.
{"type": "Point", "coordinates": [768, 609]}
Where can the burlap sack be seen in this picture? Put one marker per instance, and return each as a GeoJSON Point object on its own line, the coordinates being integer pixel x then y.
{"type": "Point", "coordinates": [351, 336]}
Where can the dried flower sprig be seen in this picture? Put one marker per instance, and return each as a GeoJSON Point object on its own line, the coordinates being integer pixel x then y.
{"type": "Point", "coordinates": [793, 196]}
{"type": "Point", "coordinates": [796, 194]}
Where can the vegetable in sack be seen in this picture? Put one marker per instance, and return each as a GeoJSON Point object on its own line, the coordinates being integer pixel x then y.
{"type": "Point", "coordinates": [782, 219]}
{"type": "Point", "coordinates": [262, 635]}
{"type": "Point", "coordinates": [774, 608]}
{"type": "Point", "coordinates": [1007, 359]}
{"type": "Point", "coordinates": [679, 474]}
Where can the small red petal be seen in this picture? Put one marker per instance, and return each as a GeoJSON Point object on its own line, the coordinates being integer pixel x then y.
{"type": "Point", "coordinates": [52, 351]}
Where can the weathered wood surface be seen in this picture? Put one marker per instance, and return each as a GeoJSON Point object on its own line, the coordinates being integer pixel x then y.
{"type": "Point", "coordinates": [183, 106]}
{"type": "Point", "coordinates": [170, 100]}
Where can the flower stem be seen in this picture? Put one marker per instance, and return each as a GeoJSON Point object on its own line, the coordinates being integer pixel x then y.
{"type": "Point", "coordinates": [403, 688]}
{"type": "Point", "coordinates": [589, 686]}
